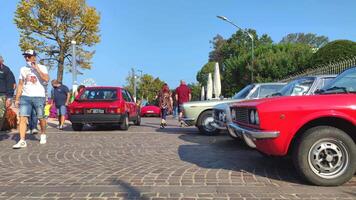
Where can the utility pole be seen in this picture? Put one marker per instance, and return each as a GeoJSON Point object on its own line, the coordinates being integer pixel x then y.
{"type": "Point", "coordinates": [134, 79]}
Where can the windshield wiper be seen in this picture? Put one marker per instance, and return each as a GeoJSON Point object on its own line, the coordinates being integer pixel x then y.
{"type": "Point", "coordinates": [344, 90]}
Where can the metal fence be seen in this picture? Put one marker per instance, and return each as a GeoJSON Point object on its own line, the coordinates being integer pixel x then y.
{"type": "Point", "coordinates": [331, 68]}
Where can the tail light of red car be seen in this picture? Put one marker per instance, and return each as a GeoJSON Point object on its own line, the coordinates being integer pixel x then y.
{"type": "Point", "coordinates": [113, 110]}
{"type": "Point", "coordinates": [75, 111]}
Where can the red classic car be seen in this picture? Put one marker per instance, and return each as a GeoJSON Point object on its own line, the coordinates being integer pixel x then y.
{"type": "Point", "coordinates": [318, 131]}
{"type": "Point", "coordinates": [103, 105]}
{"type": "Point", "coordinates": [150, 110]}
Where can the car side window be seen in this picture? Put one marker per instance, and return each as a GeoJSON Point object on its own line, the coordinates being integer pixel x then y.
{"type": "Point", "coordinates": [323, 82]}
{"type": "Point", "coordinates": [124, 95]}
{"type": "Point", "coordinates": [129, 96]}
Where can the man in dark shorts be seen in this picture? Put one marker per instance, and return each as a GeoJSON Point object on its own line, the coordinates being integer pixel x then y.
{"type": "Point", "coordinates": [7, 85]}
{"type": "Point", "coordinates": [61, 96]}
{"type": "Point", "coordinates": [183, 94]}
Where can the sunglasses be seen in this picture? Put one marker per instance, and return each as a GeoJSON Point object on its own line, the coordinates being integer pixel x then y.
{"type": "Point", "coordinates": [27, 56]}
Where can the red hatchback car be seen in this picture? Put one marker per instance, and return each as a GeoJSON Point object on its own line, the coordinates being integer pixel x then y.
{"type": "Point", "coordinates": [103, 105]}
{"type": "Point", "coordinates": [318, 131]}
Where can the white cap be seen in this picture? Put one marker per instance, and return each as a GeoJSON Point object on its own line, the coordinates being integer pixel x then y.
{"type": "Point", "coordinates": [30, 52]}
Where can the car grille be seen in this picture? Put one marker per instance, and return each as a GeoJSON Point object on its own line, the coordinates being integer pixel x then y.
{"type": "Point", "coordinates": [242, 115]}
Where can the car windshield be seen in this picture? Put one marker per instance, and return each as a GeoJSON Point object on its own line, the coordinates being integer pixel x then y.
{"type": "Point", "coordinates": [242, 94]}
{"type": "Point", "coordinates": [343, 83]}
{"type": "Point", "coordinates": [297, 87]}
{"type": "Point", "coordinates": [266, 90]}
{"type": "Point", "coordinates": [94, 94]}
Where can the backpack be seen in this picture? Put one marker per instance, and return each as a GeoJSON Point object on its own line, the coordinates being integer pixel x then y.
{"type": "Point", "coordinates": [165, 100]}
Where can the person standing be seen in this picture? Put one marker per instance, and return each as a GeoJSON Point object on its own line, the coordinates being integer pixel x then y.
{"type": "Point", "coordinates": [183, 94]}
{"type": "Point", "coordinates": [31, 95]}
{"type": "Point", "coordinates": [165, 104]}
{"type": "Point", "coordinates": [61, 97]}
{"type": "Point", "coordinates": [7, 86]}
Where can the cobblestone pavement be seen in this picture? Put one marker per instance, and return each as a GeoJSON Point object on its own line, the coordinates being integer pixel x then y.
{"type": "Point", "coordinates": [148, 163]}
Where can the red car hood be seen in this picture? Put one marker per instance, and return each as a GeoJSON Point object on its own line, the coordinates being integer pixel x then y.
{"type": "Point", "coordinates": [327, 101]}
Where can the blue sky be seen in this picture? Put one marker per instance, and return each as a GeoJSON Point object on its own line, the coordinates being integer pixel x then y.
{"type": "Point", "coordinates": [169, 39]}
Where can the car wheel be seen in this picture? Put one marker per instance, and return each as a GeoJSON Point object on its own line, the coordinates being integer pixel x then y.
{"type": "Point", "coordinates": [325, 156]}
{"type": "Point", "coordinates": [77, 127]}
{"type": "Point", "coordinates": [204, 123]}
{"type": "Point", "coordinates": [124, 125]}
{"type": "Point", "coordinates": [138, 120]}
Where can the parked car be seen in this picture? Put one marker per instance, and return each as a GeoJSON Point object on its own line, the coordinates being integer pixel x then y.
{"type": "Point", "coordinates": [200, 113]}
{"type": "Point", "coordinates": [317, 131]}
{"type": "Point", "coordinates": [300, 86]}
{"type": "Point", "coordinates": [103, 105]}
{"type": "Point", "coordinates": [150, 110]}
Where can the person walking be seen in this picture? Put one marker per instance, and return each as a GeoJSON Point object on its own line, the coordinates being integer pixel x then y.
{"type": "Point", "coordinates": [7, 86]}
{"type": "Point", "coordinates": [30, 95]}
{"type": "Point", "coordinates": [61, 97]}
{"type": "Point", "coordinates": [165, 104]}
{"type": "Point", "coordinates": [183, 94]}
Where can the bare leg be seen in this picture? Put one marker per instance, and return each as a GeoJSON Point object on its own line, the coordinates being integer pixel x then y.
{"type": "Point", "coordinates": [62, 119]}
{"type": "Point", "coordinates": [23, 127]}
{"type": "Point", "coordinates": [43, 124]}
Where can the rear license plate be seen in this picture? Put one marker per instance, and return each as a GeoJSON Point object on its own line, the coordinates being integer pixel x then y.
{"type": "Point", "coordinates": [96, 111]}
{"type": "Point", "coordinates": [149, 111]}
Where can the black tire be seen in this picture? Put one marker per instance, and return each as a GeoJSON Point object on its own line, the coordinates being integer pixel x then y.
{"type": "Point", "coordinates": [124, 125]}
{"type": "Point", "coordinates": [138, 120]}
{"type": "Point", "coordinates": [204, 125]}
{"type": "Point", "coordinates": [77, 127]}
{"type": "Point", "coordinates": [321, 147]}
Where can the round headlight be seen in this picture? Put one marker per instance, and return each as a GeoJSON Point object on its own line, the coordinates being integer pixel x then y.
{"type": "Point", "coordinates": [257, 118]}
{"type": "Point", "coordinates": [252, 117]}
{"type": "Point", "coordinates": [233, 114]}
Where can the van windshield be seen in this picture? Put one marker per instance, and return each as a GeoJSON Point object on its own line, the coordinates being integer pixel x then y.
{"type": "Point", "coordinates": [98, 94]}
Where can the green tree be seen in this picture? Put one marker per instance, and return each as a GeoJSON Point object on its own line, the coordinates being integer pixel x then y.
{"type": "Point", "coordinates": [202, 75]}
{"type": "Point", "coordinates": [310, 38]}
{"type": "Point", "coordinates": [147, 86]}
{"type": "Point", "coordinates": [335, 50]}
{"type": "Point", "coordinates": [49, 26]}
{"type": "Point", "coordinates": [272, 62]}
{"type": "Point", "coordinates": [196, 91]}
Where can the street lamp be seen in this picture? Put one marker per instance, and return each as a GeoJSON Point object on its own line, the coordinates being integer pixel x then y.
{"type": "Point", "coordinates": [74, 70]}
{"type": "Point", "coordinates": [249, 35]}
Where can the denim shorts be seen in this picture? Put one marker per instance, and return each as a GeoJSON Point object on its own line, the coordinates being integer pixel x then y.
{"type": "Point", "coordinates": [29, 103]}
{"type": "Point", "coordinates": [62, 110]}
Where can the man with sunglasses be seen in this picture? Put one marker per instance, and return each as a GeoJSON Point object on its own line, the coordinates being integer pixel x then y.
{"type": "Point", "coordinates": [31, 95]}
{"type": "Point", "coordinates": [7, 86]}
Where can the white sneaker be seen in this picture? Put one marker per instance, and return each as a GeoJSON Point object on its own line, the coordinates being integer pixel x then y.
{"type": "Point", "coordinates": [34, 131]}
{"type": "Point", "coordinates": [43, 139]}
{"type": "Point", "coordinates": [29, 131]}
{"type": "Point", "coordinates": [20, 144]}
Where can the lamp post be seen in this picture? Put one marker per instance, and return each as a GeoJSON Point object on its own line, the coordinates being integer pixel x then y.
{"type": "Point", "coordinates": [249, 35]}
{"type": "Point", "coordinates": [74, 69]}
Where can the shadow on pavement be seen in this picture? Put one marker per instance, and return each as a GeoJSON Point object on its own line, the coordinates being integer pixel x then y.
{"type": "Point", "coordinates": [221, 152]}
{"type": "Point", "coordinates": [130, 191]}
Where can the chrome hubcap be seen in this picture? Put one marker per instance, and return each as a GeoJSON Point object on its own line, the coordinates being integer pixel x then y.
{"type": "Point", "coordinates": [328, 158]}
{"type": "Point", "coordinates": [207, 124]}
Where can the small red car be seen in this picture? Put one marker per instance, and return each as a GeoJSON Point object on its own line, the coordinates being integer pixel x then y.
{"type": "Point", "coordinates": [103, 105]}
{"type": "Point", "coordinates": [150, 110]}
{"type": "Point", "coordinates": [318, 131]}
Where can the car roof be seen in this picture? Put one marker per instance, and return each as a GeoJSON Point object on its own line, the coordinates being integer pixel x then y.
{"type": "Point", "coordinates": [275, 83]}
{"type": "Point", "coordinates": [103, 87]}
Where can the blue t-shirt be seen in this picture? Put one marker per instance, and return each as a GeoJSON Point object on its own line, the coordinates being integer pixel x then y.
{"type": "Point", "coordinates": [60, 95]}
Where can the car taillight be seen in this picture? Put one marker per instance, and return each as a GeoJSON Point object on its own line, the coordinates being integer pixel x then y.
{"type": "Point", "coordinates": [113, 110]}
{"type": "Point", "coordinates": [76, 111]}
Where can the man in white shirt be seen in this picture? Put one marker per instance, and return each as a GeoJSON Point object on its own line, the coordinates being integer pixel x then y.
{"type": "Point", "coordinates": [31, 95]}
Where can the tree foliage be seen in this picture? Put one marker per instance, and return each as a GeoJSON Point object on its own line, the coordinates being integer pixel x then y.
{"type": "Point", "coordinates": [202, 75]}
{"type": "Point", "coordinates": [335, 50]}
{"type": "Point", "coordinates": [147, 86]}
{"type": "Point", "coordinates": [49, 26]}
{"type": "Point", "coordinates": [310, 39]}
{"type": "Point", "coordinates": [196, 91]}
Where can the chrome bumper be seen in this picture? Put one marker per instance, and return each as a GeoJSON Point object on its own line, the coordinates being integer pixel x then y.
{"type": "Point", "coordinates": [218, 125]}
{"type": "Point", "coordinates": [250, 135]}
